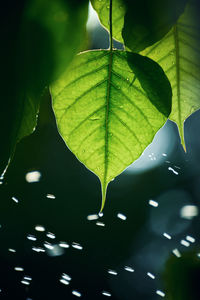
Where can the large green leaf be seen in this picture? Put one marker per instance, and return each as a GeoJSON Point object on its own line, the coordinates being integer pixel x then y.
{"type": "Point", "coordinates": [39, 39]}
{"type": "Point", "coordinates": [108, 107]}
{"type": "Point", "coordinates": [118, 11]}
{"type": "Point", "coordinates": [179, 55]}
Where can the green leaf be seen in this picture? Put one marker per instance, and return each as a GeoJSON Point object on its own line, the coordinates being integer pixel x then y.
{"type": "Point", "coordinates": [118, 11]}
{"type": "Point", "coordinates": [178, 53]}
{"type": "Point", "coordinates": [108, 107]}
{"type": "Point", "coordinates": [146, 22]}
{"type": "Point", "coordinates": [39, 40]}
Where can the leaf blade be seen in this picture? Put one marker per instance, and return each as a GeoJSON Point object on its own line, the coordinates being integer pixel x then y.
{"type": "Point", "coordinates": [105, 119]}
{"type": "Point", "coordinates": [178, 53]}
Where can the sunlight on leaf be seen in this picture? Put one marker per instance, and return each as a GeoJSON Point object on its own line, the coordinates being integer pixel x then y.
{"type": "Point", "coordinates": [102, 9]}
{"type": "Point", "coordinates": [178, 53]}
{"type": "Point", "coordinates": [108, 108]}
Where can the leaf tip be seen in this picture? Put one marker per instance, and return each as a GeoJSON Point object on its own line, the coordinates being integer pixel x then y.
{"type": "Point", "coordinates": [103, 193]}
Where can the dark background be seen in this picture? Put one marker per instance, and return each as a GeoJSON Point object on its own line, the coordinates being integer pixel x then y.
{"type": "Point", "coordinates": [137, 242]}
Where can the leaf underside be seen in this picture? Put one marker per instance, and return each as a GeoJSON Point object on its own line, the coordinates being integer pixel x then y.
{"type": "Point", "coordinates": [178, 53]}
{"type": "Point", "coordinates": [106, 114]}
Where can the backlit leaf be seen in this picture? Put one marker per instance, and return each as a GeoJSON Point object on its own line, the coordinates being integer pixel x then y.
{"type": "Point", "coordinates": [179, 55]}
{"type": "Point", "coordinates": [108, 108]}
{"type": "Point", "coordinates": [118, 11]}
{"type": "Point", "coordinates": [39, 39]}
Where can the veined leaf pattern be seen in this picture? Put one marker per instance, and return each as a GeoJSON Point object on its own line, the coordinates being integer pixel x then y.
{"type": "Point", "coordinates": [178, 53]}
{"type": "Point", "coordinates": [107, 109]}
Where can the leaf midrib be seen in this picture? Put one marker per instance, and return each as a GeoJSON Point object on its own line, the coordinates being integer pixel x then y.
{"type": "Point", "coordinates": [177, 54]}
{"type": "Point", "coordinates": [107, 112]}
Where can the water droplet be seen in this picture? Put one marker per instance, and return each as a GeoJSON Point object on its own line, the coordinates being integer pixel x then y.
{"type": "Point", "coordinates": [63, 245]}
{"type": "Point", "coordinates": [50, 235]}
{"type": "Point", "coordinates": [129, 269]}
{"type": "Point", "coordinates": [151, 275]}
{"type": "Point", "coordinates": [25, 282]}
{"type": "Point", "coordinates": [31, 237]}
{"type": "Point", "coordinates": [190, 239]}
{"type": "Point", "coordinates": [77, 246]}
{"type": "Point", "coordinates": [100, 224]}
{"type": "Point", "coordinates": [20, 269]}
{"type": "Point", "coordinates": [76, 293]}
{"type": "Point", "coordinates": [33, 176]}
{"type": "Point", "coordinates": [167, 236]}
{"type": "Point", "coordinates": [171, 169]}
{"type": "Point", "coordinates": [106, 294]}
{"type": "Point", "coordinates": [185, 243]}
{"type": "Point", "coordinates": [51, 196]}
{"type": "Point", "coordinates": [64, 281]}
{"type": "Point", "coordinates": [153, 203]}
{"type": "Point", "coordinates": [160, 293]}
{"type": "Point", "coordinates": [176, 252]}
{"type": "Point", "coordinates": [39, 228]}
{"type": "Point", "coordinates": [112, 272]}
{"type": "Point", "coordinates": [121, 216]}
{"type": "Point", "coordinates": [94, 118]}
{"type": "Point", "coordinates": [92, 217]}
{"type": "Point", "coordinates": [15, 199]}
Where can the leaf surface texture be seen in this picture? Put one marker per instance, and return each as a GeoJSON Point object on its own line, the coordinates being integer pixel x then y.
{"type": "Point", "coordinates": [108, 108]}
{"type": "Point", "coordinates": [178, 53]}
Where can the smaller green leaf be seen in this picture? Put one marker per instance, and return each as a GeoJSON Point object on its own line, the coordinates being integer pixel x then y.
{"type": "Point", "coordinates": [39, 40]}
{"type": "Point", "coordinates": [178, 53]}
{"type": "Point", "coordinates": [108, 107]}
{"type": "Point", "coordinates": [118, 11]}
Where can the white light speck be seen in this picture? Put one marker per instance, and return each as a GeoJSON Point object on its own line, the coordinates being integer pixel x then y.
{"type": "Point", "coordinates": [164, 154]}
{"type": "Point", "coordinates": [121, 216]}
{"type": "Point", "coordinates": [151, 275]}
{"type": "Point", "coordinates": [190, 239]}
{"type": "Point", "coordinates": [185, 243]}
{"type": "Point", "coordinates": [27, 278]}
{"type": "Point", "coordinates": [50, 235]}
{"type": "Point", "coordinates": [15, 199]}
{"type": "Point", "coordinates": [160, 293]}
{"type": "Point", "coordinates": [20, 269]}
{"type": "Point", "coordinates": [167, 162]}
{"type": "Point", "coordinates": [63, 245]}
{"type": "Point", "coordinates": [176, 252]}
{"type": "Point", "coordinates": [66, 277]}
{"type": "Point", "coordinates": [48, 246]}
{"type": "Point", "coordinates": [153, 203]}
{"type": "Point", "coordinates": [100, 224]}
{"type": "Point", "coordinates": [12, 250]}
{"type": "Point", "coordinates": [92, 217]}
{"type": "Point", "coordinates": [39, 228]}
{"type": "Point", "coordinates": [198, 254]}
{"type": "Point", "coordinates": [171, 169]}
{"type": "Point", "coordinates": [51, 196]}
{"type": "Point", "coordinates": [167, 236]}
{"type": "Point", "coordinates": [77, 246]}
{"type": "Point", "coordinates": [189, 212]}
{"type": "Point", "coordinates": [31, 237]}
{"type": "Point", "coordinates": [38, 249]}
{"type": "Point", "coordinates": [100, 214]}
{"type": "Point", "coordinates": [112, 272]}
{"type": "Point", "coordinates": [129, 269]}
{"type": "Point", "coordinates": [64, 281]}
{"type": "Point", "coordinates": [25, 282]}
{"type": "Point", "coordinates": [76, 293]}
{"type": "Point", "coordinates": [33, 176]}
{"type": "Point", "coordinates": [106, 294]}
